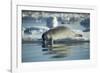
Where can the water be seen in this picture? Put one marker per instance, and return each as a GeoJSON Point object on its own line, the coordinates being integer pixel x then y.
{"type": "Point", "coordinates": [74, 51]}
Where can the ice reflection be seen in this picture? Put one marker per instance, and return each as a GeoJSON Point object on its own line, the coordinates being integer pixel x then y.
{"type": "Point", "coordinates": [66, 50]}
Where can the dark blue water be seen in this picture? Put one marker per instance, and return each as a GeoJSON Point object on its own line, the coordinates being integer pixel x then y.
{"type": "Point", "coordinates": [35, 53]}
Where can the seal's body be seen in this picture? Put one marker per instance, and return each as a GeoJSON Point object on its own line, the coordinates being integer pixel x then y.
{"type": "Point", "coordinates": [57, 33]}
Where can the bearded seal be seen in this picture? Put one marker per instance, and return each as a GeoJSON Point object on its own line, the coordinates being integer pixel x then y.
{"type": "Point", "coordinates": [58, 33]}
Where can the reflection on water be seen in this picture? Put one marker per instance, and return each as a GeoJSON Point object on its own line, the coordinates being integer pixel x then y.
{"type": "Point", "coordinates": [59, 52]}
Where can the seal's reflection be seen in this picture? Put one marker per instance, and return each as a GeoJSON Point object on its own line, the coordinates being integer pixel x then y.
{"type": "Point", "coordinates": [58, 51]}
